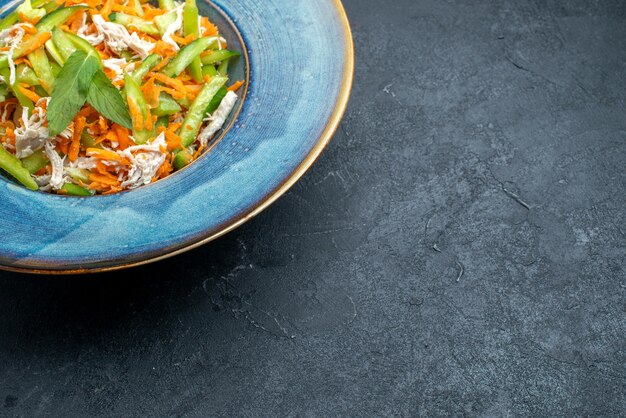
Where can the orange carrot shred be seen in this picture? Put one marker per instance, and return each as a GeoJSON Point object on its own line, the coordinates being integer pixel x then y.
{"type": "Point", "coordinates": [236, 86]}
{"type": "Point", "coordinates": [79, 126]}
{"type": "Point", "coordinates": [40, 39]}
{"type": "Point", "coordinates": [28, 93]}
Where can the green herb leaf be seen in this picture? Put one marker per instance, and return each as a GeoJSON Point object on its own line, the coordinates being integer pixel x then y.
{"type": "Point", "coordinates": [108, 101]}
{"type": "Point", "coordinates": [70, 90]}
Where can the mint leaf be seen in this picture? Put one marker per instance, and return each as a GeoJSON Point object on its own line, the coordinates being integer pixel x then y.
{"type": "Point", "coordinates": [70, 90]}
{"type": "Point", "coordinates": [108, 101]}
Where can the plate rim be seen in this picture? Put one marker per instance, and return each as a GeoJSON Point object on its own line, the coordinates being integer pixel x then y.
{"type": "Point", "coordinates": [238, 219]}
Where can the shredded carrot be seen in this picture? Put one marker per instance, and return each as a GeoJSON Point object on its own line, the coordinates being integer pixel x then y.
{"type": "Point", "coordinates": [198, 152]}
{"type": "Point", "coordinates": [28, 93]}
{"type": "Point", "coordinates": [236, 86]}
{"type": "Point", "coordinates": [29, 27]}
{"type": "Point", "coordinates": [79, 126]}
{"type": "Point", "coordinates": [173, 140]}
{"type": "Point", "coordinates": [123, 136]}
{"type": "Point", "coordinates": [108, 136]}
{"type": "Point", "coordinates": [27, 62]}
{"type": "Point", "coordinates": [165, 50]}
{"type": "Point", "coordinates": [162, 64]}
{"type": "Point", "coordinates": [63, 145]}
{"type": "Point", "coordinates": [75, 22]}
{"type": "Point", "coordinates": [108, 6]}
{"type": "Point", "coordinates": [209, 28]}
{"type": "Point", "coordinates": [106, 170]}
{"type": "Point", "coordinates": [184, 41]}
{"type": "Point", "coordinates": [39, 40]}
{"type": "Point", "coordinates": [176, 84]}
{"type": "Point", "coordinates": [163, 171]}
{"type": "Point", "coordinates": [103, 179]}
{"type": "Point", "coordinates": [174, 93]}
{"type": "Point", "coordinates": [136, 115]}
{"type": "Point", "coordinates": [25, 18]}
{"type": "Point", "coordinates": [149, 123]}
{"type": "Point", "coordinates": [150, 13]}
{"type": "Point", "coordinates": [104, 154]}
{"type": "Point", "coordinates": [151, 93]}
{"type": "Point", "coordinates": [124, 9]}
{"type": "Point", "coordinates": [113, 190]}
{"type": "Point", "coordinates": [10, 133]}
{"type": "Point", "coordinates": [102, 123]}
{"type": "Point", "coordinates": [174, 126]}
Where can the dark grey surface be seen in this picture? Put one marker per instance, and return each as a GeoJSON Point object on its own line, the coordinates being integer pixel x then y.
{"type": "Point", "coordinates": [494, 131]}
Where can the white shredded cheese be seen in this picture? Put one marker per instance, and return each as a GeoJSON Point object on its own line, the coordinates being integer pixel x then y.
{"type": "Point", "coordinates": [220, 41]}
{"type": "Point", "coordinates": [11, 37]}
{"type": "Point", "coordinates": [43, 181]}
{"type": "Point", "coordinates": [31, 136]}
{"type": "Point", "coordinates": [56, 177]}
{"type": "Point", "coordinates": [85, 163]}
{"type": "Point", "coordinates": [175, 27]}
{"type": "Point", "coordinates": [218, 117]}
{"type": "Point", "coordinates": [115, 65]}
{"type": "Point", "coordinates": [94, 39]}
{"type": "Point", "coordinates": [118, 39]}
{"type": "Point", "coordinates": [145, 162]}
{"type": "Point", "coordinates": [68, 132]}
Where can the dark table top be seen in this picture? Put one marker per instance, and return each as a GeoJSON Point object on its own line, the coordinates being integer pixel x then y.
{"type": "Point", "coordinates": [459, 249]}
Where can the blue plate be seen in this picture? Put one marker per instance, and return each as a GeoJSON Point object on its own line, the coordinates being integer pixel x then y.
{"type": "Point", "coordinates": [299, 64]}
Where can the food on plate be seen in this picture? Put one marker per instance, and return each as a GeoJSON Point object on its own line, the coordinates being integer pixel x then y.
{"type": "Point", "coordinates": [102, 96]}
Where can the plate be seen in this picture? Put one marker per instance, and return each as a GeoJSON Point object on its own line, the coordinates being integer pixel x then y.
{"type": "Point", "coordinates": [299, 65]}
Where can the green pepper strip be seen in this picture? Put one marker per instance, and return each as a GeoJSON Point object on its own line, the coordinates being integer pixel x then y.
{"type": "Point", "coordinates": [191, 27]}
{"type": "Point", "coordinates": [24, 74]}
{"type": "Point", "coordinates": [135, 99]}
{"type": "Point", "coordinates": [63, 43]}
{"type": "Point", "coordinates": [144, 68]}
{"type": "Point", "coordinates": [24, 101]}
{"type": "Point", "coordinates": [134, 22]}
{"type": "Point", "coordinates": [167, 4]}
{"type": "Point", "coordinates": [219, 56]}
{"type": "Point", "coordinates": [43, 69]}
{"type": "Point", "coordinates": [182, 159]}
{"type": "Point", "coordinates": [167, 105]}
{"type": "Point", "coordinates": [35, 162]}
{"type": "Point", "coordinates": [75, 190]}
{"type": "Point", "coordinates": [12, 165]}
{"type": "Point", "coordinates": [185, 56]}
{"type": "Point", "coordinates": [57, 17]}
{"type": "Point", "coordinates": [193, 120]}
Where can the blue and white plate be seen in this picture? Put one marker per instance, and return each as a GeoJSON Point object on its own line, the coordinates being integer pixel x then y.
{"type": "Point", "coordinates": [298, 62]}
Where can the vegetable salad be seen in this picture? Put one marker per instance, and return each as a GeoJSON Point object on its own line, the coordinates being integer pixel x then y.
{"type": "Point", "coordinates": [100, 96]}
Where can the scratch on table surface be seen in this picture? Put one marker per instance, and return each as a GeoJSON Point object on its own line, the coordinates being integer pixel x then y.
{"type": "Point", "coordinates": [516, 198]}
{"type": "Point", "coordinates": [255, 322]}
{"type": "Point", "coordinates": [509, 193]}
{"type": "Point", "coordinates": [320, 232]}
{"type": "Point", "coordinates": [387, 89]}
{"type": "Point", "coordinates": [461, 269]}
{"type": "Point", "coordinates": [528, 70]}
{"type": "Point", "coordinates": [428, 223]}
{"type": "Point", "coordinates": [353, 309]}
